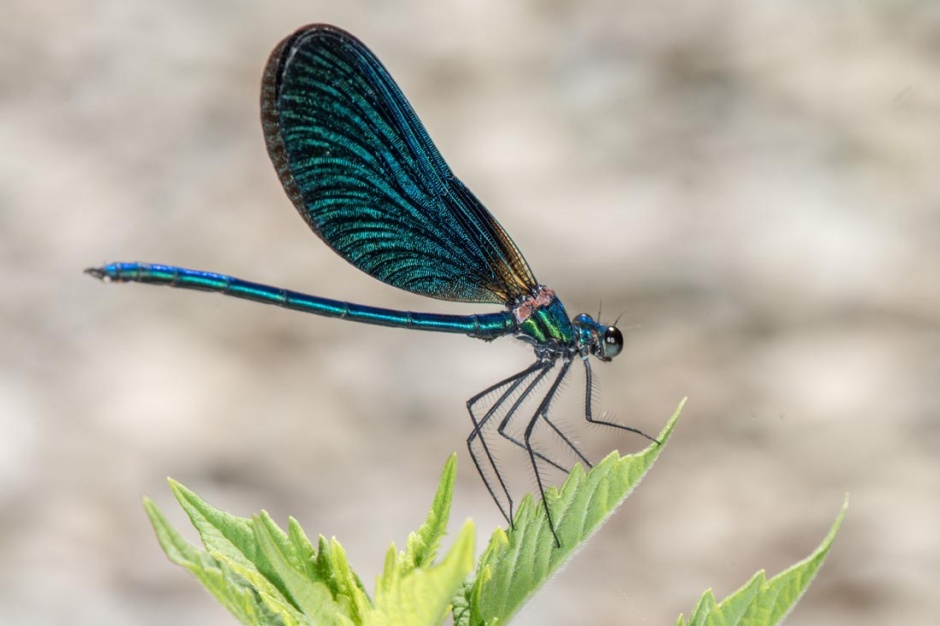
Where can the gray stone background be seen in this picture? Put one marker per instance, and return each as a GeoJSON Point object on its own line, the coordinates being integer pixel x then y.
{"type": "Point", "coordinates": [752, 184]}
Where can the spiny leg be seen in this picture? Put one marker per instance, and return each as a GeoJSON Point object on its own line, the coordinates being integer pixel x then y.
{"type": "Point", "coordinates": [588, 411]}
{"type": "Point", "coordinates": [512, 413]}
{"type": "Point", "coordinates": [567, 441]}
{"type": "Point", "coordinates": [541, 412]}
{"type": "Point", "coordinates": [513, 383]}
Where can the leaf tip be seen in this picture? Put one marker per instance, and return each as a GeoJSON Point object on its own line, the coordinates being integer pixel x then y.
{"type": "Point", "coordinates": [180, 491]}
{"type": "Point", "coordinates": [153, 513]}
{"type": "Point", "coordinates": [449, 473]}
{"type": "Point", "coordinates": [666, 432]}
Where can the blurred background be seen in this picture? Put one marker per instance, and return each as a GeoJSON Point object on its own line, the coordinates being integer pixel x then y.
{"type": "Point", "coordinates": [752, 185]}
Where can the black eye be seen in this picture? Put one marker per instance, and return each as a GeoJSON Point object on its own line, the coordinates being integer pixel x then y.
{"type": "Point", "coordinates": [613, 342]}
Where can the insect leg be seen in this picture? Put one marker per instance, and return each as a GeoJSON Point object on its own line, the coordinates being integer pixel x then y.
{"type": "Point", "coordinates": [506, 387]}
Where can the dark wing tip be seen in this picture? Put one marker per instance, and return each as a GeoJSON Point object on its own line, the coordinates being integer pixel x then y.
{"type": "Point", "coordinates": [282, 54]}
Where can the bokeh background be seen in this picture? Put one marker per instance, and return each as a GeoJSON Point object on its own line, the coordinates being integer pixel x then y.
{"type": "Point", "coordinates": [753, 185]}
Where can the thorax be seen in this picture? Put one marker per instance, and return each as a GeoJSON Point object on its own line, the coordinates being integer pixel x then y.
{"type": "Point", "coordinates": [542, 321]}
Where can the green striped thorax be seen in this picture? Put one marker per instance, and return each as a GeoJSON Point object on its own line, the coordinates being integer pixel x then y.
{"type": "Point", "coordinates": [541, 320]}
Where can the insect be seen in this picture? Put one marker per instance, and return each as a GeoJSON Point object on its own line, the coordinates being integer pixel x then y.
{"type": "Point", "coordinates": [365, 176]}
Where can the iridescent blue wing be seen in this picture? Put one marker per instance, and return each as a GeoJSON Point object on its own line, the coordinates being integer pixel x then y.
{"type": "Point", "coordinates": [361, 169]}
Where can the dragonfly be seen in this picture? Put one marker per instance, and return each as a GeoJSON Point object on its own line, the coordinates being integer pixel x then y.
{"type": "Point", "coordinates": [362, 171]}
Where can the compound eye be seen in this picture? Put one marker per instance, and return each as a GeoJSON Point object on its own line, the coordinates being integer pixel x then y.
{"type": "Point", "coordinates": [612, 342]}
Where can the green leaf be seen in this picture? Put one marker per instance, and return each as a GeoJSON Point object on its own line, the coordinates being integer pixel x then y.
{"type": "Point", "coordinates": [410, 591]}
{"type": "Point", "coordinates": [423, 544]}
{"type": "Point", "coordinates": [762, 602]}
{"type": "Point", "coordinates": [265, 576]}
{"type": "Point", "coordinates": [422, 596]}
{"type": "Point", "coordinates": [351, 590]}
{"type": "Point", "coordinates": [230, 539]}
{"type": "Point", "coordinates": [232, 590]}
{"type": "Point", "coordinates": [517, 563]}
{"type": "Point", "coordinates": [329, 566]}
{"type": "Point", "coordinates": [311, 596]}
